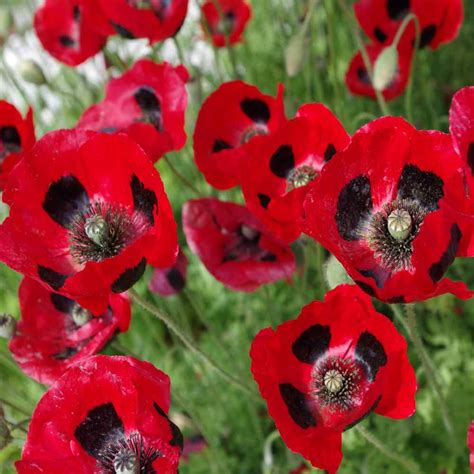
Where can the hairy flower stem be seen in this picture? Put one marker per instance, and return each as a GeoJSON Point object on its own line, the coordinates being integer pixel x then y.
{"type": "Point", "coordinates": [170, 324]}
{"type": "Point", "coordinates": [409, 323]}
{"type": "Point", "coordinates": [409, 465]}
{"type": "Point", "coordinates": [185, 181]}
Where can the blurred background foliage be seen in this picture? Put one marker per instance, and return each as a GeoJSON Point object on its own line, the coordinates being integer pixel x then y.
{"type": "Point", "coordinates": [221, 322]}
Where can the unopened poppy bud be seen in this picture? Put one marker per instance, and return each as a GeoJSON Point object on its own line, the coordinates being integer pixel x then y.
{"type": "Point", "coordinates": [295, 53]}
{"type": "Point", "coordinates": [31, 72]}
{"type": "Point", "coordinates": [335, 273]}
{"type": "Point", "coordinates": [385, 68]}
{"type": "Point", "coordinates": [6, 22]}
{"type": "Point", "coordinates": [7, 326]}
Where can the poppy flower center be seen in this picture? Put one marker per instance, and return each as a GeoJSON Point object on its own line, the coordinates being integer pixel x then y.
{"type": "Point", "coordinates": [253, 131]}
{"type": "Point", "coordinates": [226, 23]}
{"type": "Point", "coordinates": [128, 456]}
{"type": "Point", "coordinates": [103, 231]}
{"type": "Point", "coordinates": [244, 244]}
{"type": "Point", "coordinates": [10, 141]}
{"type": "Point", "coordinates": [390, 233]}
{"type": "Point", "coordinates": [335, 383]}
{"type": "Point", "coordinates": [299, 177]}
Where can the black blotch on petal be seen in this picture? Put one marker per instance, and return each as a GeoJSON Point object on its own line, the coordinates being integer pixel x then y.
{"type": "Point", "coordinates": [101, 424]}
{"type": "Point", "coordinates": [54, 279]}
{"type": "Point", "coordinates": [312, 343]}
{"type": "Point", "coordinates": [295, 401]}
{"type": "Point", "coordinates": [65, 199]}
{"type": "Point", "coordinates": [365, 415]}
{"type": "Point", "coordinates": [380, 35]}
{"type": "Point", "coordinates": [76, 13]}
{"type": "Point", "coordinates": [264, 200]}
{"type": "Point", "coordinates": [61, 303]}
{"type": "Point", "coordinates": [146, 99]}
{"type": "Point", "coordinates": [129, 277]}
{"type": "Point", "coordinates": [66, 353]}
{"type": "Point", "coordinates": [379, 281]}
{"type": "Point", "coordinates": [144, 199]}
{"type": "Point", "coordinates": [268, 257]}
{"type": "Point", "coordinates": [365, 287]}
{"type": "Point", "coordinates": [370, 352]}
{"type": "Point", "coordinates": [470, 157]}
{"type": "Point", "coordinates": [177, 436]}
{"type": "Point", "coordinates": [220, 145]}
{"type": "Point", "coordinates": [396, 300]}
{"type": "Point", "coordinates": [363, 75]}
{"type": "Point", "coordinates": [175, 279]}
{"type": "Point", "coordinates": [122, 31]}
{"type": "Point", "coordinates": [67, 41]}
{"type": "Point", "coordinates": [282, 161]}
{"type": "Point", "coordinates": [427, 35]}
{"type": "Point", "coordinates": [330, 152]}
{"type": "Point", "coordinates": [256, 110]}
{"type": "Point", "coordinates": [438, 269]}
{"type": "Point", "coordinates": [397, 9]}
{"type": "Point", "coordinates": [9, 136]}
{"type": "Point", "coordinates": [422, 186]}
{"type": "Point", "coordinates": [353, 205]}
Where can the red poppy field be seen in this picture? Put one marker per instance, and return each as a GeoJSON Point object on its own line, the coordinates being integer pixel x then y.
{"type": "Point", "coordinates": [235, 236]}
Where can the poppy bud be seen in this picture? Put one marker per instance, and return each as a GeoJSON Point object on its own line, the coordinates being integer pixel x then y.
{"type": "Point", "coordinates": [385, 68]}
{"type": "Point", "coordinates": [5, 437]}
{"type": "Point", "coordinates": [295, 53]}
{"type": "Point", "coordinates": [335, 273]}
{"type": "Point", "coordinates": [31, 72]}
{"type": "Point", "coordinates": [7, 326]}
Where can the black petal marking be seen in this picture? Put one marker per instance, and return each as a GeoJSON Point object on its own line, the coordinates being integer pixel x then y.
{"type": "Point", "coordinates": [9, 136]}
{"type": "Point", "coordinates": [427, 35]}
{"type": "Point", "coordinates": [76, 13]}
{"type": "Point", "coordinates": [61, 303]}
{"type": "Point", "coordinates": [123, 32]}
{"type": "Point", "coordinates": [397, 300]}
{"type": "Point", "coordinates": [101, 425]}
{"type": "Point", "coordinates": [66, 353]}
{"type": "Point", "coordinates": [397, 9]}
{"type": "Point", "coordinates": [363, 75]}
{"type": "Point", "coordinates": [370, 352]}
{"type": "Point", "coordinates": [256, 110]}
{"type": "Point", "coordinates": [269, 257]}
{"type": "Point", "coordinates": [330, 152]}
{"type": "Point", "coordinates": [312, 343]}
{"type": "Point", "coordinates": [264, 200]}
{"type": "Point", "coordinates": [470, 157]}
{"type": "Point", "coordinates": [380, 35]}
{"type": "Point", "coordinates": [175, 279]}
{"type": "Point", "coordinates": [54, 279]}
{"type": "Point", "coordinates": [144, 199]}
{"type": "Point", "coordinates": [177, 439]}
{"type": "Point", "coordinates": [65, 199]}
{"type": "Point", "coordinates": [67, 41]}
{"type": "Point", "coordinates": [437, 270]}
{"type": "Point", "coordinates": [295, 401]}
{"type": "Point", "coordinates": [365, 415]}
{"type": "Point", "coordinates": [424, 187]}
{"type": "Point", "coordinates": [353, 205]}
{"type": "Point", "coordinates": [366, 287]}
{"type": "Point", "coordinates": [220, 145]}
{"type": "Point", "coordinates": [282, 161]}
{"type": "Point", "coordinates": [379, 279]}
{"type": "Point", "coordinates": [129, 277]}
{"type": "Point", "coordinates": [146, 99]}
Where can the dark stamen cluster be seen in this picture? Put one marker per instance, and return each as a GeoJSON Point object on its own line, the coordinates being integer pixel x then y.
{"type": "Point", "coordinates": [122, 228]}
{"type": "Point", "coordinates": [394, 254]}
{"type": "Point", "coordinates": [128, 451]}
{"type": "Point", "coordinates": [335, 383]}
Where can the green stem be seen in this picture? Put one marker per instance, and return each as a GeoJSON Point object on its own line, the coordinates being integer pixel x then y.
{"type": "Point", "coordinates": [409, 93]}
{"type": "Point", "coordinates": [411, 328]}
{"type": "Point", "coordinates": [185, 181]}
{"type": "Point", "coordinates": [170, 324]}
{"type": "Point", "coordinates": [179, 50]}
{"type": "Point", "coordinates": [409, 465]}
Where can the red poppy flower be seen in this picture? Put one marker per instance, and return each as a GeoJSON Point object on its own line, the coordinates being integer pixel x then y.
{"type": "Point", "coordinates": [386, 207]}
{"type": "Point", "coordinates": [17, 134]}
{"type": "Point", "coordinates": [55, 332]}
{"type": "Point", "coordinates": [71, 30]}
{"type": "Point", "coordinates": [87, 213]}
{"type": "Point", "coordinates": [277, 175]}
{"type": "Point", "coordinates": [148, 102]}
{"type": "Point", "coordinates": [440, 20]}
{"type": "Point", "coordinates": [358, 79]}
{"type": "Point", "coordinates": [225, 22]}
{"type": "Point", "coordinates": [106, 414]}
{"type": "Point", "coordinates": [152, 19]}
{"type": "Point", "coordinates": [235, 247]}
{"type": "Point", "coordinates": [171, 280]}
{"type": "Point", "coordinates": [328, 369]}
{"type": "Point", "coordinates": [228, 120]}
{"type": "Point", "coordinates": [470, 445]}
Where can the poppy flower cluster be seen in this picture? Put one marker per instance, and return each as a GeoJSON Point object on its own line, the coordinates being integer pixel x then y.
{"type": "Point", "coordinates": [400, 24]}
{"type": "Point", "coordinates": [75, 30]}
{"type": "Point", "coordinates": [104, 415]}
{"type": "Point", "coordinates": [325, 371]}
{"type": "Point", "coordinates": [148, 103]}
